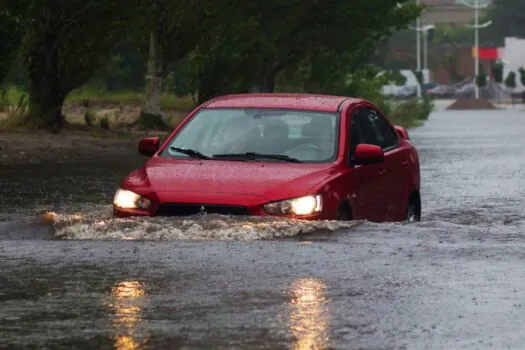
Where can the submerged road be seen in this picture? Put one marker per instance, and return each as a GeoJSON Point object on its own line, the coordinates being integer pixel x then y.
{"type": "Point", "coordinates": [454, 281]}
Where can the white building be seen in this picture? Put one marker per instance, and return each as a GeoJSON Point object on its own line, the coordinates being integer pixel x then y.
{"type": "Point", "coordinates": [513, 58]}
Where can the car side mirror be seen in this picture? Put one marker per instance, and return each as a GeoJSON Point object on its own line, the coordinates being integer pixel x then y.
{"type": "Point", "coordinates": [149, 146]}
{"type": "Point", "coordinates": [402, 132]}
{"type": "Point", "coordinates": [368, 154]}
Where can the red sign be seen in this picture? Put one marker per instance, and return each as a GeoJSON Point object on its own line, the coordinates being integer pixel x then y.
{"type": "Point", "coordinates": [487, 53]}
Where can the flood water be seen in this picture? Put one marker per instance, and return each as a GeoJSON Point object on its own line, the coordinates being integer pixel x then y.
{"type": "Point", "coordinates": [453, 281]}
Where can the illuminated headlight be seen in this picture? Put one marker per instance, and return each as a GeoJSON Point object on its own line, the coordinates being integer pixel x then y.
{"type": "Point", "coordinates": [130, 200]}
{"type": "Point", "coordinates": [298, 206]}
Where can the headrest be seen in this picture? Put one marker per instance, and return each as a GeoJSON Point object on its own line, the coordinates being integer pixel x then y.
{"type": "Point", "coordinates": [319, 128]}
{"type": "Point", "coordinates": [276, 128]}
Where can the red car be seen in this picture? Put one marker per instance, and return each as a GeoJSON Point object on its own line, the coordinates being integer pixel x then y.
{"type": "Point", "coordinates": [304, 156]}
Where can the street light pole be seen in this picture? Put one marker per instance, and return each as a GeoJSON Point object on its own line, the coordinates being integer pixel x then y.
{"type": "Point", "coordinates": [425, 50]}
{"type": "Point", "coordinates": [423, 30]}
{"type": "Point", "coordinates": [476, 28]}
{"type": "Point", "coordinates": [418, 48]}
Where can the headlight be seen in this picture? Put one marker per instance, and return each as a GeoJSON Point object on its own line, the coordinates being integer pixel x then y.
{"type": "Point", "coordinates": [130, 200]}
{"type": "Point", "coordinates": [298, 206]}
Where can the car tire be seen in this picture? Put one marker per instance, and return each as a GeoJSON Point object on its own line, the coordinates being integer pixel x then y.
{"type": "Point", "coordinates": [413, 213]}
{"type": "Point", "coordinates": [344, 213]}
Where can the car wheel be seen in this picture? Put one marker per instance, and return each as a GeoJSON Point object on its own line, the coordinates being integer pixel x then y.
{"type": "Point", "coordinates": [344, 214]}
{"type": "Point", "coordinates": [413, 214]}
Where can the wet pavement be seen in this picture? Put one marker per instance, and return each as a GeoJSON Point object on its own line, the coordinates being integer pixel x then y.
{"type": "Point", "coordinates": [453, 281]}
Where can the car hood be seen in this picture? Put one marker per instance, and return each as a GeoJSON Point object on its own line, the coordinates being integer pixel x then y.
{"type": "Point", "coordinates": [272, 181]}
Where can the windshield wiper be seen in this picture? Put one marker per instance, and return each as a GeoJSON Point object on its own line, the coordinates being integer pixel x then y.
{"type": "Point", "coordinates": [190, 152]}
{"type": "Point", "coordinates": [255, 155]}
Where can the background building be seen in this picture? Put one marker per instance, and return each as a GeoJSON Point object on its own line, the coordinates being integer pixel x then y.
{"type": "Point", "coordinates": [450, 11]}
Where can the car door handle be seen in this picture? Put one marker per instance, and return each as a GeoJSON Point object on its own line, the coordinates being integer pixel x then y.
{"type": "Point", "coordinates": [382, 171]}
{"type": "Point", "coordinates": [404, 163]}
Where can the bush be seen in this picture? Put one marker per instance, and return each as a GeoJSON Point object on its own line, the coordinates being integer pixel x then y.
{"type": "Point", "coordinates": [411, 113]}
{"type": "Point", "coordinates": [104, 123]}
{"type": "Point", "coordinates": [367, 84]}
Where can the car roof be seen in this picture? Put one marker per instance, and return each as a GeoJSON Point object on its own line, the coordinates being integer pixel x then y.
{"type": "Point", "coordinates": [313, 102]}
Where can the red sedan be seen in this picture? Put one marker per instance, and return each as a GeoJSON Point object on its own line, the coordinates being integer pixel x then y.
{"type": "Point", "coordinates": [314, 157]}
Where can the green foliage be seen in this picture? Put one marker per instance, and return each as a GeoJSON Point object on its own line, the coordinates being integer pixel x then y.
{"type": "Point", "coordinates": [151, 122]}
{"type": "Point", "coordinates": [63, 45]}
{"type": "Point", "coordinates": [206, 48]}
{"type": "Point", "coordinates": [497, 71]}
{"type": "Point", "coordinates": [507, 21]}
{"type": "Point", "coordinates": [13, 102]}
{"type": "Point", "coordinates": [510, 80]}
{"type": "Point", "coordinates": [104, 123]}
{"type": "Point", "coordinates": [259, 47]}
{"type": "Point", "coordinates": [409, 113]}
{"type": "Point", "coordinates": [10, 35]}
{"type": "Point", "coordinates": [367, 83]}
{"type": "Point", "coordinates": [177, 24]}
{"type": "Point", "coordinates": [481, 79]}
{"type": "Point", "coordinates": [89, 117]}
{"type": "Point", "coordinates": [453, 35]}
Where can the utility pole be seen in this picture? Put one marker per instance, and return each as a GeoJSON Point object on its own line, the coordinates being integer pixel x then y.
{"type": "Point", "coordinates": [476, 6]}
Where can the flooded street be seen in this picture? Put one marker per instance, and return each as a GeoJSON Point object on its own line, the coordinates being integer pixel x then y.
{"type": "Point", "coordinates": [454, 281]}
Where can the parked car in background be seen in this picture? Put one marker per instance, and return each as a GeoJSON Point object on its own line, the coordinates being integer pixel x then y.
{"type": "Point", "coordinates": [410, 91]}
{"type": "Point", "coordinates": [314, 157]}
{"type": "Point", "coordinates": [442, 91]}
{"type": "Point", "coordinates": [407, 91]}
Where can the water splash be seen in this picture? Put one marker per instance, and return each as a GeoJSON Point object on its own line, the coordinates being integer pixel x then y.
{"type": "Point", "coordinates": [199, 227]}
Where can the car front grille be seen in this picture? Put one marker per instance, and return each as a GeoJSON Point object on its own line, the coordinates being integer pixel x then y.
{"type": "Point", "coordinates": [187, 209]}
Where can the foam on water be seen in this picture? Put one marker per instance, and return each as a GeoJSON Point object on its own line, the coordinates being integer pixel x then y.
{"type": "Point", "coordinates": [201, 227]}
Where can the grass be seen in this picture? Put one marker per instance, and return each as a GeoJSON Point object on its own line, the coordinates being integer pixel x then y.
{"type": "Point", "coordinates": [405, 113]}
{"type": "Point", "coordinates": [167, 101]}
{"type": "Point", "coordinates": [109, 120]}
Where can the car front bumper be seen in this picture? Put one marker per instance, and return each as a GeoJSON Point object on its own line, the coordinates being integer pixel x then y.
{"type": "Point", "coordinates": [190, 209]}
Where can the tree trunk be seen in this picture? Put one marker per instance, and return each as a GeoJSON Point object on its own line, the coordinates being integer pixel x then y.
{"type": "Point", "coordinates": [153, 80]}
{"type": "Point", "coordinates": [46, 93]}
{"type": "Point", "coordinates": [150, 116]}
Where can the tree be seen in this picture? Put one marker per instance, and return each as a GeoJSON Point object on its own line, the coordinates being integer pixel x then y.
{"type": "Point", "coordinates": [166, 31]}
{"type": "Point", "coordinates": [510, 83]}
{"type": "Point", "coordinates": [510, 80]}
{"type": "Point", "coordinates": [64, 43]}
{"type": "Point", "coordinates": [497, 71]}
{"type": "Point", "coordinates": [259, 45]}
{"type": "Point", "coordinates": [507, 18]}
{"type": "Point", "coordinates": [451, 39]}
{"type": "Point", "coordinates": [10, 37]}
{"type": "Point", "coordinates": [481, 80]}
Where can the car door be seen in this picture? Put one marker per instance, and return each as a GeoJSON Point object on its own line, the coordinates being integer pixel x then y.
{"type": "Point", "coordinates": [394, 176]}
{"type": "Point", "coordinates": [366, 179]}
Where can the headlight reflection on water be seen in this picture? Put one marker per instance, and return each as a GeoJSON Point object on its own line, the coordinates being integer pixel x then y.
{"type": "Point", "coordinates": [127, 301]}
{"type": "Point", "coordinates": [309, 314]}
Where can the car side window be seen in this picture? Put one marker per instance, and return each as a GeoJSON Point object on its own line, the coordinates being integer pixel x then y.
{"type": "Point", "coordinates": [355, 133]}
{"type": "Point", "coordinates": [384, 136]}
{"type": "Point", "coordinates": [365, 127]}
{"type": "Point", "coordinates": [359, 131]}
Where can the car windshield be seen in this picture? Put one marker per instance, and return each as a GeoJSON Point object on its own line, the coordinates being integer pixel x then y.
{"type": "Point", "coordinates": [258, 134]}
